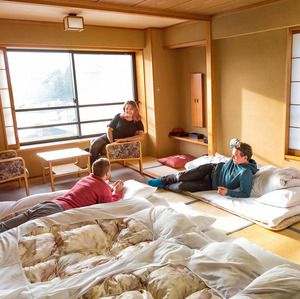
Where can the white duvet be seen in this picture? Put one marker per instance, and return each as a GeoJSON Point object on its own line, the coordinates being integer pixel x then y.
{"type": "Point", "coordinates": [225, 267]}
{"type": "Point", "coordinates": [270, 178]}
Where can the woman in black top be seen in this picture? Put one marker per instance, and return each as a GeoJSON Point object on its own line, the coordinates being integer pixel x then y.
{"type": "Point", "coordinates": [124, 127]}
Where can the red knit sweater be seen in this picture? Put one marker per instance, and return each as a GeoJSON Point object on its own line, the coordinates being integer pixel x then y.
{"type": "Point", "coordinates": [88, 191]}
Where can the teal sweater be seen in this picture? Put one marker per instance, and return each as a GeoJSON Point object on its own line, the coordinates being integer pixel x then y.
{"type": "Point", "coordinates": [233, 176]}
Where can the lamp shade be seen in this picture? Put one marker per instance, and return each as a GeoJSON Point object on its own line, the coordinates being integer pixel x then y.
{"type": "Point", "coordinates": [73, 22]}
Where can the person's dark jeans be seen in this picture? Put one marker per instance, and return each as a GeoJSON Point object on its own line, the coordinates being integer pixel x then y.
{"type": "Point", "coordinates": [40, 210]}
{"type": "Point", "coordinates": [98, 147]}
{"type": "Point", "coordinates": [193, 180]}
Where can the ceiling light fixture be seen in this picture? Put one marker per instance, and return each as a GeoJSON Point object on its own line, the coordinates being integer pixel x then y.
{"type": "Point", "coordinates": [72, 22]}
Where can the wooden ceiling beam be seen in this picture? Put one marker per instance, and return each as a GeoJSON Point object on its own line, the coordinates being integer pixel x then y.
{"type": "Point", "coordinates": [85, 4]}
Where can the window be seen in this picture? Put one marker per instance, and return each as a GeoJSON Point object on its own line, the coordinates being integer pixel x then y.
{"type": "Point", "coordinates": [66, 95]}
{"type": "Point", "coordinates": [294, 103]}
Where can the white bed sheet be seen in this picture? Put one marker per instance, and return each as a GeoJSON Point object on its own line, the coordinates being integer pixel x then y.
{"type": "Point", "coordinates": [249, 208]}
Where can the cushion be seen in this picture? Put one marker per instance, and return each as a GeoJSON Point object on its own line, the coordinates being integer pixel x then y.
{"type": "Point", "coordinates": [133, 188]}
{"type": "Point", "coordinates": [176, 161]}
{"type": "Point", "coordinates": [282, 198]}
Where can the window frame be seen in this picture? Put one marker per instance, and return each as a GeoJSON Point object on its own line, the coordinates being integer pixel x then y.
{"type": "Point", "coordinates": [16, 144]}
{"type": "Point", "coordinates": [76, 105]}
{"type": "Point", "coordinates": [290, 153]}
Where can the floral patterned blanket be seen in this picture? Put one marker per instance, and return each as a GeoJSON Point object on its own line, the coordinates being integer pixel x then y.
{"type": "Point", "coordinates": [131, 249]}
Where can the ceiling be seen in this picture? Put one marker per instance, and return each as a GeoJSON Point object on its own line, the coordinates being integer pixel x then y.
{"type": "Point", "coordinates": [139, 14]}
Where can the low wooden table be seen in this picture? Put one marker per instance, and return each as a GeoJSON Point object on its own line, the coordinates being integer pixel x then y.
{"type": "Point", "coordinates": [49, 158]}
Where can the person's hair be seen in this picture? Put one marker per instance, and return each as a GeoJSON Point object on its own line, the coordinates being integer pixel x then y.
{"type": "Point", "coordinates": [136, 113]}
{"type": "Point", "coordinates": [245, 149]}
{"type": "Point", "coordinates": [100, 167]}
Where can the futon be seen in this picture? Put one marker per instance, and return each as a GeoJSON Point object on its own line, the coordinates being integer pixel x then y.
{"type": "Point", "coordinates": [268, 216]}
{"type": "Point", "coordinates": [275, 198]}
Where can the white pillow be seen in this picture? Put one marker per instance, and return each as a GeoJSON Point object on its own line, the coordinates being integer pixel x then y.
{"type": "Point", "coordinates": [270, 178]}
{"type": "Point", "coordinates": [133, 188]}
{"type": "Point", "coordinates": [282, 198]}
{"type": "Point", "coordinates": [205, 160]}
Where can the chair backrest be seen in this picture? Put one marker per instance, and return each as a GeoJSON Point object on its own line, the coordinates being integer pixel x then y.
{"type": "Point", "coordinates": [8, 154]}
{"type": "Point", "coordinates": [124, 151]}
{"type": "Point", "coordinates": [10, 168]}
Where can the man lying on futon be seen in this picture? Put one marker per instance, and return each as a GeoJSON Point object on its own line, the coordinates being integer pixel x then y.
{"type": "Point", "coordinates": [236, 173]}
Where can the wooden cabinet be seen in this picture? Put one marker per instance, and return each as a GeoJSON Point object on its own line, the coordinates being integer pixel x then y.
{"type": "Point", "coordinates": [197, 100]}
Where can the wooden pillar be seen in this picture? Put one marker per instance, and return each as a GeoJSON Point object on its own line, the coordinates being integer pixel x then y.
{"type": "Point", "coordinates": [210, 98]}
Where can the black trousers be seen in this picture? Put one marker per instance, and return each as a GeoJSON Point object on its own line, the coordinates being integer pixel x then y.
{"type": "Point", "coordinates": [98, 147]}
{"type": "Point", "coordinates": [193, 180]}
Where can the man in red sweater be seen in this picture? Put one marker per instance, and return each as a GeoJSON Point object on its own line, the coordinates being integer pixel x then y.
{"type": "Point", "coordinates": [90, 190]}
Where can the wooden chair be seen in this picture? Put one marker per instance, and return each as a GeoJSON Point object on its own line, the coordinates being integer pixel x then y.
{"type": "Point", "coordinates": [126, 151]}
{"type": "Point", "coordinates": [12, 168]}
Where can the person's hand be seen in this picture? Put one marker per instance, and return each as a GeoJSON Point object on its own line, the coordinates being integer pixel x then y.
{"type": "Point", "coordinates": [222, 191]}
{"type": "Point", "coordinates": [118, 186]}
{"type": "Point", "coordinates": [114, 183]}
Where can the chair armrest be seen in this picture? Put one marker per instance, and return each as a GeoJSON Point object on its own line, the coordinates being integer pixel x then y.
{"type": "Point", "coordinates": [8, 154]}
{"type": "Point", "coordinates": [13, 167]}
{"type": "Point", "coordinates": [125, 150]}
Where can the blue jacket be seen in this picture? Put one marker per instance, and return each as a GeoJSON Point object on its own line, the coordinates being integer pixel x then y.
{"type": "Point", "coordinates": [233, 176]}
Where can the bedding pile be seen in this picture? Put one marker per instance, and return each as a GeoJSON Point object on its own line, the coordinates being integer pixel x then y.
{"type": "Point", "coordinates": [133, 249]}
{"type": "Point", "coordinates": [64, 250]}
{"type": "Point", "coordinates": [164, 281]}
{"type": "Point", "coordinates": [275, 198]}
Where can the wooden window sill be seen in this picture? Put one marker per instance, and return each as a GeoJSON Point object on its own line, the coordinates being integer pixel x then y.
{"type": "Point", "coordinates": [54, 145]}
{"type": "Point", "coordinates": [290, 157]}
